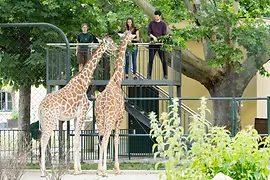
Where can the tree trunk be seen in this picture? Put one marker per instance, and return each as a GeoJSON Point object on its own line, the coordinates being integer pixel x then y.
{"type": "Point", "coordinates": [24, 115]}
{"type": "Point", "coordinates": [226, 111]}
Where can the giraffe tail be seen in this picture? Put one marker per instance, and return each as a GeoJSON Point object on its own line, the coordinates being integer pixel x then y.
{"type": "Point", "coordinates": [100, 139]}
{"type": "Point", "coordinates": [40, 117]}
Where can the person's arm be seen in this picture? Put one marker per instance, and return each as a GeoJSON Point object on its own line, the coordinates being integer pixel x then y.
{"type": "Point", "coordinates": [149, 29]}
{"type": "Point", "coordinates": [164, 29]}
{"type": "Point", "coordinates": [153, 37]}
{"type": "Point", "coordinates": [150, 32]}
{"type": "Point", "coordinates": [77, 48]}
{"type": "Point", "coordinates": [94, 39]}
{"type": "Point", "coordinates": [137, 36]}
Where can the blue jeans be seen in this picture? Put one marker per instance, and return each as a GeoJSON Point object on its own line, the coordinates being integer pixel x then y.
{"type": "Point", "coordinates": [134, 56]}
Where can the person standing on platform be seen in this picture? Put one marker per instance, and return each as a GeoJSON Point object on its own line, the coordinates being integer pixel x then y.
{"type": "Point", "coordinates": [157, 28]}
{"type": "Point", "coordinates": [82, 51]}
{"type": "Point", "coordinates": [131, 48]}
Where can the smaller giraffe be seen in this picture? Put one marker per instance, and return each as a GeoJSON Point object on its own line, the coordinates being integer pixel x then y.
{"type": "Point", "coordinates": [109, 110]}
{"type": "Point", "coordinates": [70, 102]}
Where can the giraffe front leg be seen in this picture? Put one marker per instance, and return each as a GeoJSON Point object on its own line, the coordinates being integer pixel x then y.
{"type": "Point", "coordinates": [116, 143]}
{"type": "Point", "coordinates": [100, 168]}
{"type": "Point", "coordinates": [77, 147]}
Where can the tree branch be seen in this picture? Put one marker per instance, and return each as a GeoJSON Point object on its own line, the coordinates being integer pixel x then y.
{"type": "Point", "coordinates": [197, 68]}
{"type": "Point", "coordinates": [250, 68]}
{"type": "Point", "coordinates": [189, 6]}
{"type": "Point", "coordinates": [208, 54]}
{"type": "Point", "coordinates": [146, 7]}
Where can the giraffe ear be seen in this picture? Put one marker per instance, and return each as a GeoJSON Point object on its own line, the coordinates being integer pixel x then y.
{"type": "Point", "coordinates": [104, 35]}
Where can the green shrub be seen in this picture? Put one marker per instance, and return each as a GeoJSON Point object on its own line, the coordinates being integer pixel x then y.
{"type": "Point", "coordinates": [15, 115]}
{"type": "Point", "coordinates": [212, 149]}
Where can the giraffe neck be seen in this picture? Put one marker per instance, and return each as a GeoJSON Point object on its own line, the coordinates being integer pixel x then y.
{"type": "Point", "coordinates": [119, 65]}
{"type": "Point", "coordinates": [83, 78]}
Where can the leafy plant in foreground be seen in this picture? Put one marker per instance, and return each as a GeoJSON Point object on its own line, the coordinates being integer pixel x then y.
{"type": "Point", "coordinates": [207, 150]}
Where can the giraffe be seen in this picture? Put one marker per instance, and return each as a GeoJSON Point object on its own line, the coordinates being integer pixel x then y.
{"type": "Point", "coordinates": [70, 102]}
{"type": "Point", "coordinates": [109, 110]}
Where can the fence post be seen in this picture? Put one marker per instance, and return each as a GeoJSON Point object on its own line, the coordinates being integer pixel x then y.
{"type": "Point", "coordinates": [268, 114]}
{"type": "Point", "coordinates": [82, 149]}
{"type": "Point", "coordinates": [233, 117]}
{"type": "Point", "coordinates": [60, 143]}
{"type": "Point", "coordinates": [113, 147]}
{"type": "Point", "coordinates": [129, 148]}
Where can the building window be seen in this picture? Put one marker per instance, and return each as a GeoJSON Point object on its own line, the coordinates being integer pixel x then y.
{"type": "Point", "coordinates": [5, 101]}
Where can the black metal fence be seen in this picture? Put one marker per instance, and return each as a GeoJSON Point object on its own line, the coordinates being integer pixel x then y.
{"type": "Point", "coordinates": [130, 146]}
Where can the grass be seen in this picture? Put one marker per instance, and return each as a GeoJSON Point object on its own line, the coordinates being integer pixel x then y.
{"type": "Point", "coordinates": [110, 165]}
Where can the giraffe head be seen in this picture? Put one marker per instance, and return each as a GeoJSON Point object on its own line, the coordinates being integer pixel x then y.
{"type": "Point", "coordinates": [128, 36]}
{"type": "Point", "coordinates": [109, 45]}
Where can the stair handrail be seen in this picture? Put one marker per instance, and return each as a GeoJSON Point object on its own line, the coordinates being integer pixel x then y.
{"type": "Point", "coordinates": [166, 95]}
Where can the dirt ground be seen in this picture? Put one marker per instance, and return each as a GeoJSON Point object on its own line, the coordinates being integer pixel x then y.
{"type": "Point", "coordinates": [90, 175]}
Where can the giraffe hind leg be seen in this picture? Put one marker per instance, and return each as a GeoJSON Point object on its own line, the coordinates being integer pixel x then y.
{"type": "Point", "coordinates": [100, 169]}
{"type": "Point", "coordinates": [43, 143]}
{"type": "Point", "coordinates": [46, 131]}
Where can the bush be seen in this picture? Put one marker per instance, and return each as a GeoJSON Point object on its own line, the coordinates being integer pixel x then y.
{"type": "Point", "coordinates": [15, 115]}
{"type": "Point", "coordinates": [212, 149]}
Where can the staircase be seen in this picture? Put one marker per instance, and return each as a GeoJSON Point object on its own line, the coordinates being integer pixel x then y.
{"type": "Point", "coordinates": [140, 115]}
{"type": "Point", "coordinates": [137, 113]}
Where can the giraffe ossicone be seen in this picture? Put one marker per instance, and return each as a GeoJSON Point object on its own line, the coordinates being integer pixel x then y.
{"type": "Point", "coordinates": [110, 108]}
{"type": "Point", "coordinates": [70, 102]}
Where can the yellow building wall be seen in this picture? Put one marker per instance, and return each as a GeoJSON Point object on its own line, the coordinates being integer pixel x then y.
{"type": "Point", "coordinates": [248, 110]}
{"type": "Point", "coordinates": [192, 88]}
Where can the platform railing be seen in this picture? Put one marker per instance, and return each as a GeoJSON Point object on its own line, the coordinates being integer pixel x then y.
{"type": "Point", "coordinates": [56, 59]}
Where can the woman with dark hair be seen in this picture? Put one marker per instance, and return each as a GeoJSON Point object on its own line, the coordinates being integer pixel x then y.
{"type": "Point", "coordinates": [131, 49]}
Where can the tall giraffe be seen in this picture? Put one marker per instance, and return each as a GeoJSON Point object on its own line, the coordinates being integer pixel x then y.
{"type": "Point", "coordinates": [109, 110]}
{"type": "Point", "coordinates": [70, 102]}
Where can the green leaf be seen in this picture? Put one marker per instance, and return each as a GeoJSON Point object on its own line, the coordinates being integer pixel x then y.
{"type": "Point", "coordinates": [153, 147]}
{"type": "Point", "coordinates": [156, 165]}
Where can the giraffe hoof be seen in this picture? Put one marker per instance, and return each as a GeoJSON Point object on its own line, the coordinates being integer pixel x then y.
{"type": "Point", "coordinates": [102, 173]}
{"type": "Point", "coordinates": [43, 174]}
{"type": "Point", "coordinates": [117, 171]}
{"type": "Point", "coordinates": [77, 172]}
{"type": "Point", "coordinates": [99, 173]}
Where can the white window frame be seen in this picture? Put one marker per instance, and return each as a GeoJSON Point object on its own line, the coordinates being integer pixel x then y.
{"type": "Point", "coordinates": [4, 106]}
